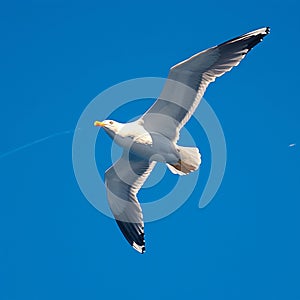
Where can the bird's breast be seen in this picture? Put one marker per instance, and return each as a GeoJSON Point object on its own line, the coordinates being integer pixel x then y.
{"type": "Point", "coordinates": [149, 146]}
{"type": "Point", "coordinates": [161, 149]}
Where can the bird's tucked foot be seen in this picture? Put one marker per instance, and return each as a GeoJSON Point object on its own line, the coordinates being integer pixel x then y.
{"type": "Point", "coordinates": [190, 160]}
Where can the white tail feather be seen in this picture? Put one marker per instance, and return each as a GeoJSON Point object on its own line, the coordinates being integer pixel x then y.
{"type": "Point", "coordinates": [190, 160]}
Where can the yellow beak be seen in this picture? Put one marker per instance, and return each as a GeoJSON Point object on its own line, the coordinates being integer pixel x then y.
{"type": "Point", "coordinates": [97, 123]}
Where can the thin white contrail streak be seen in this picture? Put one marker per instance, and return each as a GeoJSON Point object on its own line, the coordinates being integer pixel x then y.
{"type": "Point", "coordinates": [35, 142]}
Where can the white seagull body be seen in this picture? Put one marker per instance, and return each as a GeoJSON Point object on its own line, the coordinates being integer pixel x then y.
{"type": "Point", "coordinates": [153, 138]}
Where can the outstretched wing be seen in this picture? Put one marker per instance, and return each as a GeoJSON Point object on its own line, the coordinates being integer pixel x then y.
{"type": "Point", "coordinates": [123, 181]}
{"type": "Point", "coordinates": [188, 80]}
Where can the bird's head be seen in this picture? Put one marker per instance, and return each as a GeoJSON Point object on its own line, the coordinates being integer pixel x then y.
{"type": "Point", "coordinates": [110, 125]}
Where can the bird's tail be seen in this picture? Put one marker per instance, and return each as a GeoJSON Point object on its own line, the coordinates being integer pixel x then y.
{"type": "Point", "coordinates": [190, 160]}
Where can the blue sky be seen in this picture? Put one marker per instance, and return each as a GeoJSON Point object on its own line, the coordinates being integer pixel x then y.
{"type": "Point", "coordinates": [56, 56]}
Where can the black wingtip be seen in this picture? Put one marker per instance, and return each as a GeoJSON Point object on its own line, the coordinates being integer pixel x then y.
{"type": "Point", "coordinates": [249, 39]}
{"type": "Point", "coordinates": [256, 37]}
{"type": "Point", "coordinates": [134, 234]}
{"type": "Point", "coordinates": [141, 249]}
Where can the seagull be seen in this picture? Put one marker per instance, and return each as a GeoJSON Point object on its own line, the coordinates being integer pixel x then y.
{"type": "Point", "coordinates": [153, 137]}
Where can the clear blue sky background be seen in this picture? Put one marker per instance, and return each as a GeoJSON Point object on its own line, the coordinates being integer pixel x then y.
{"type": "Point", "coordinates": [56, 56]}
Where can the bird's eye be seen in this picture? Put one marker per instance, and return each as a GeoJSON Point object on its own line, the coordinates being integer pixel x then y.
{"type": "Point", "coordinates": [111, 122]}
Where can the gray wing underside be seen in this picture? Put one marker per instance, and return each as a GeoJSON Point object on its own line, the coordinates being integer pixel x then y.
{"type": "Point", "coordinates": [123, 181]}
{"type": "Point", "coordinates": [188, 80]}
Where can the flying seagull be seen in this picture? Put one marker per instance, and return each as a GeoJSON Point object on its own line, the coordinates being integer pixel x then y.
{"type": "Point", "coordinates": [153, 137]}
